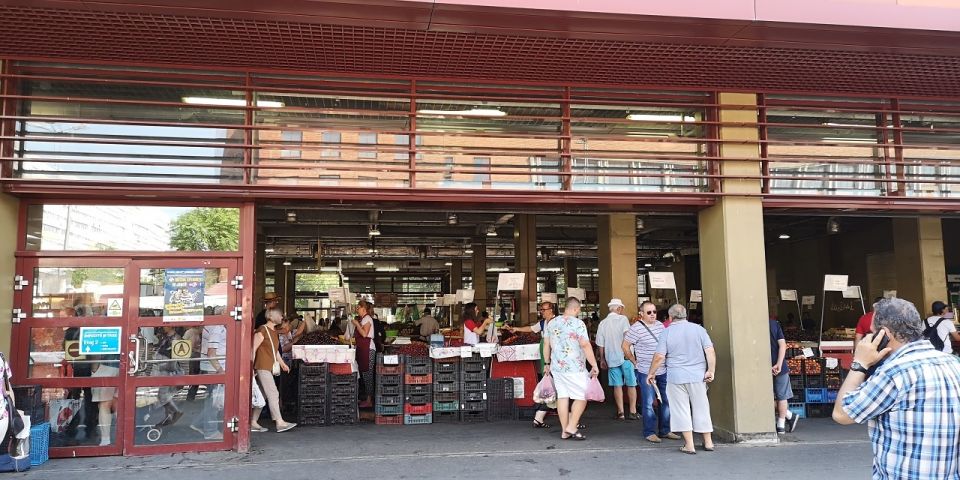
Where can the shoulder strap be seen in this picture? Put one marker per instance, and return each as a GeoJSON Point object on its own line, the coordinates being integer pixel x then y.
{"type": "Point", "coordinates": [648, 330]}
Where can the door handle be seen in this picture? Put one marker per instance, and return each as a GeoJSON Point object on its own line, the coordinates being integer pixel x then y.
{"type": "Point", "coordinates": [134, 356]}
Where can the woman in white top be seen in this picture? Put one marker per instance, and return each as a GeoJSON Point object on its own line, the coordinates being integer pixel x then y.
{"type": "Point", "coordinates": [366, 350]}
{"type": "Point", "coordinates": [472, 327]}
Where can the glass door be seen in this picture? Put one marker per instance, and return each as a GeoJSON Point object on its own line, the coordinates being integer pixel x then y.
{"type": "Point", "coordinates": [72, 319]}
{"type": "Point", "coordinates": [181, 381]}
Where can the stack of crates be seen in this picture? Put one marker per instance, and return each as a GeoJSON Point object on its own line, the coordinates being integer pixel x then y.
{"type": "Point", "coordinates": [446, 390]}
{"type": "Point", "coordinates": [389, 401]}
{"type": "Point", "coordinates": [814, 387]}
{"type": "Point", "coordinates": [418, 390]}
{"type": "Point", "coordinates": [342, 407]}
{"type": "Point", "coordinates": [474, 372]}
{"type": "Point", "coordinates": [500, 403]}
{"type": "Point", "coordinates": [312, 394]}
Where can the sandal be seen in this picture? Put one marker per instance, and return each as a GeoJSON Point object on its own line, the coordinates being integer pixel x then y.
{"type": "Point", "coordinates": [539, 424]}
{"type": "Point", "coordinates": [574, 436]}
{"type": "Point", "coordinates": [581, 426]}
{"type": "Point", "coordinates": [688, 452]}
{"type": "Point", "coordinates": [620, 416]}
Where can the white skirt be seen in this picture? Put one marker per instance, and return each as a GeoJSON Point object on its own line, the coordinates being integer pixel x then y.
{"type": "Point", "coordinates": [572, 385]}
{"type": "Point", "coordinates": [104, 394]}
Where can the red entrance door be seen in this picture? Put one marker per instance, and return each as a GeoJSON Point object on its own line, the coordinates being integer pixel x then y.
{"type": "Point", "coordinates": [135, 356]}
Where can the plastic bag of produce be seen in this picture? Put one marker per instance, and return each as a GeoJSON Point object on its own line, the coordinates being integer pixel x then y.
{"type": "Point", "coordinates": [594, 391]}
{"type": "Point", "coordinates": [545, 392]}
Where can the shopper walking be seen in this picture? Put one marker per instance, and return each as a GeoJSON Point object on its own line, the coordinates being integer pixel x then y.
{"type": "Point", "coordinates": [909, 403]}
{"type": "Point", "coordinates": [568, 347]}
{"type": "Point", "coordinates": [267, 364]}
{"type": "Point", "coordinates": [640, 345]}
{"type": "Point", "coordinates": [366, 351]}
{"type": "Point", "coordinates": [782, 391]}
{"type": "Point", "coordinates": [270, 300]}
{"type": "Point", "coordinates": [943, 328]}
{"type": "Point", "coordinates": [691, 363]}
{"type": "Point", "coordinates": [620, 371]}
{"type": "Point", "coordinates": [547, 311]}
{"type": "Point", "coordinates": [213, 350]}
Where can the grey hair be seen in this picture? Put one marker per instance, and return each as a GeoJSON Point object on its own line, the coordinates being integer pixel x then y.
{"type": "Point", "coordinates": [900, 317]}
{"type": "Point", "coordinates": [677, 312]}
{"type": "Point", "coordinates": [274, 313]}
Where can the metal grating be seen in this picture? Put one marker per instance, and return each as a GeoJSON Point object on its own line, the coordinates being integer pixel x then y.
{"type": "Point", "coordinates": [158, 39]}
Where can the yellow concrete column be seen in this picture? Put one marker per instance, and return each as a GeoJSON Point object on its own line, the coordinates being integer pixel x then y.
{"type": "Point", "coordinates": [9, 209]}
{"type": "Point", "coordinates": [478, 270]}
{"type": "Point", "coordinates": [921, 270]}
{"type": "Point", "coordinates": [525, 257]}
{"type": "Point", "coordinates": [617, 258]}
{"type": "Point", "coordinates": [734, 281]}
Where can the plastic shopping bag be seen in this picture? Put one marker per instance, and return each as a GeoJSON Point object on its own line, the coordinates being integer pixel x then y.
{"type": "Point", "coordinates": [62, 411]}
{"type": "Point", "coordinates": [217, 397]}
{"type": "Point", "coordinates": [595, 391]}
{"type": "Point", "coordinates": [545, 392]}
{"type": "Point", "coordinates": [256, 398]}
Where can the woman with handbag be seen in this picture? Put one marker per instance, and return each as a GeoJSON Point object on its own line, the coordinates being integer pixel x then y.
{"type": "Point", "coordinates": [366, 351]}
{"type": "Point", "coordinates": [267, 363]}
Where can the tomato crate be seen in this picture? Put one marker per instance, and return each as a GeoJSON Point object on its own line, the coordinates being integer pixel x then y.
{"type": "Point", "coordinates": [473, 396]}
{"type": "Point", "coordinates": [473, 386]}
{"type": "Point", "coordinates": [473, 376]}
{"type": "Point", "coordinates": [390, 390]}
{"type": "Point", "coordinates": [446, 396]}
{"type": "Point", "coordinates": [409, 409]}
{"type": "Point", "coordinates": [795, 366]}
{"type": "Point", "coordinates": [389, 420]}
{"type": "Point", "coordinates": [813, 366]}
{"type": "Point", "coordinates": [447, 406]}
{"type": "Point", "coordinates": [446, 417]}
{"type": "Point", "coordinates": [390, 370]}
{"type": "Point", "coordinates": [473, 417]}
{"type": "Point", "coordinates": [418, 389]}
{"type": "Point", "coordinates": [418, 419]}
{"type": "Point", "coordinates": [442, 377]}
{"type": "Point", "coordinates": [390, 400]}
{"type": "Point", "coordinates": [389, 379]}
{"type": "Point", "coordinates": [446, 387]}
{"type": "Point", "coordinates": [340, 369]}
{"type": "Point", "coordinates": [480, 406]}
{"type": "Point", "coordinates": [445, 366]}
{"type": "Point", "coordinates": [418, 379]}
{"type": "Point", "coordinates": [421, 399]}
{"type": "Point", "coordinates": [389, 409]}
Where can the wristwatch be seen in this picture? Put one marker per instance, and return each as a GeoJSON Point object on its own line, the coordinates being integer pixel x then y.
{"type": "Point", "coordinates": [856, 366]}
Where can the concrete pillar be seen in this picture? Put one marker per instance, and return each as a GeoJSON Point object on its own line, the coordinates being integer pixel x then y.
{"type": "Point", "coordinates": [679, 269]}
{"type": "Point", "coordinates": [733, 271]}
{"type": "Point", "coordinates": [617, 258]}
{"type": "Point", "coordinates": [9, 209]}
{"type": "Point", "coordinates": [570, 271]}
{"type": "Point", "coordinates": [921, 270]}
{"type": "Point", "coordinates": [525, 257]}
{"type": "Point", "coordinates": [456, 275]}
{"type": "Point", "coordinates": [478, 270]}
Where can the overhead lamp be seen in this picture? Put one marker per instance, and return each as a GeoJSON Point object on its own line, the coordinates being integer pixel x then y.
{"type": "Point", "coordinates": [269, 250]}
{"type": "Point", "coordinates": [373, 251]}
{"type": "Point", "coordinates": [291, 216]}
{"type": "Point", "coordinates": [647, 117]}
{"type": "Point", "coordinates": [849, 140]}
{"type": "Point", "coordinates": [833, 226]}
{"type": "Point", "coordinates": [668, 255]}
{"type": "Point", "coordinates": [595, 270]}
{"type": "Point", "coordinates": [370, 263]}
{"type": "Point", "coordinates": [648, 265]}
{"type": "Point", "coordinates": [286, 263]}
{"type": "Point", "coordinates": [229, 102]}
{"type": "Point", "coordinates": [452, 219]}
{"type": "Point", "coordinates": [448, 264]}
{"type": "Point", "coordinates": [491, 231]}
{"type": "Point", "coordinates": [387, 269]}
{"type": "Point", "coordinates": [561, 251]}
{"type": "Point", "coordinates": [345, 278]}
{"type": "Point", "coordinates": [784, 236]}
{"type": "Point", "coordinates": [473, 112]}
{"type": "Point", "coordinates": [374, 231]}
{"type": "Point", "coordinates": [498, 269]}
{"type": "Point", "coordinates": [639, 224]}
{"type": "Point", "coordinates": [468, 251]}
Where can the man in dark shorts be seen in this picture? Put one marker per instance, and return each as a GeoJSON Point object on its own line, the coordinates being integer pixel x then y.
{"type": "Point", "coordinates": [782, 393]}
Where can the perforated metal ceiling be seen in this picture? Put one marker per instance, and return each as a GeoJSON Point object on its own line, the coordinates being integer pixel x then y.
{"type": "Point", "coordinates": [151, 39]}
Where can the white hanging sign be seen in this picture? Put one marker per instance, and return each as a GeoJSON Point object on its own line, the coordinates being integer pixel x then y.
{"type": "Point", "coordinates": [548, 297]}
{"type": "Point", "coordinates": [510, 281]}
{"type": "Point", "coordinates": [834, 283]}
{"type": "Point", "coordinates": [464, 295]}
{"type": "Point", "coordinates": [450, 299]}
{"type": "Point", "coordinates": [578, 293]}
{"type": "Point", "coordinates": [788, 295]}
{"type": "Point", "coordinates": [809, 300]}
{"type": "Point", "coordinates": [662, 280]}
{"type": "Point", "coordinates": [889, 294]}
{"type": "Point", "coordinates": [696, 296]}
{"type": "Point", "coordinates": [853, 291]}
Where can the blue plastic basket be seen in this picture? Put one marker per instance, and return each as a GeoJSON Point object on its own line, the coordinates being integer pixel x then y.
{"type": "Point", "coordinates": [39, 443]}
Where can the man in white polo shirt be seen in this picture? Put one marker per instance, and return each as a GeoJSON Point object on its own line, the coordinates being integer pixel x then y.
{"type": "Point", "coordinates": [213, 350]}
{"type": "Point", "coordinates": [620, 371]}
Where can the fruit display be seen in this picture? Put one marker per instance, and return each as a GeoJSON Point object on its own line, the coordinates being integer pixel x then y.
{"type": "Point", "coordinates": [414, 349]}
{"type": "Point", "coordinates": [318, 338]}
{"type": "Point", "coordinates": [520, 338]}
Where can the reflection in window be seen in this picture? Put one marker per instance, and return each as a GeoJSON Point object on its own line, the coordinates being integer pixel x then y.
{"type": "Point", "coordinates": [61, 292]}
{"type": "Point", "coordinates": [368, 139]}
{"type": "Point", "coordinates": [294, 138]}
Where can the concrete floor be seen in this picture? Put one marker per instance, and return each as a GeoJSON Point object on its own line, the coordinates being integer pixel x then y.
{"type": "Point", "coordinates": [818, 449]}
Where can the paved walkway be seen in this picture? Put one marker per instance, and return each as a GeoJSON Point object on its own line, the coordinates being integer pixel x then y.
{"type": "Point", "coordinates": [818, 449]}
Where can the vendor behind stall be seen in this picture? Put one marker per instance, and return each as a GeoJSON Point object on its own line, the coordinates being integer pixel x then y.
{"type": "Point", "coordinates": [427, 325]}
{"type": "Point", "coordinates": [473, 327]}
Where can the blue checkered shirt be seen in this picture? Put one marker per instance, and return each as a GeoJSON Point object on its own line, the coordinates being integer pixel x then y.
{"type": "Point", "coordinates": [912, 409]}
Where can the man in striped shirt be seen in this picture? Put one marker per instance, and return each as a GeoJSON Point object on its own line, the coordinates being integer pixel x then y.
{"type": "Point", "coordinates": [909, 403]}
{"type": "Point", "coordinates": [639, 346]}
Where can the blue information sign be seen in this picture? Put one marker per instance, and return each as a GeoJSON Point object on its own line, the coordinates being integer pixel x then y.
{"type": "Point", "coordinates": [100, 340]}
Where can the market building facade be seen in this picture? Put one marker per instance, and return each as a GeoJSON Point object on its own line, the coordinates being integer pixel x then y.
{"type": "Point", "coordinates": [734, 123]}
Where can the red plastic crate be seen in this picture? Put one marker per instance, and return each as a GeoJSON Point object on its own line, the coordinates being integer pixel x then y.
{"type": "Point", "coordinates": [389, 420]}
{"type": "Point", "coordinates": [340, 369]}
{"type": "Point", "coordinates": [418, 379]}
{"type": "Point", "coordinates": [389, 369]}
{"type": "Point", "coordinates": [418, 409]}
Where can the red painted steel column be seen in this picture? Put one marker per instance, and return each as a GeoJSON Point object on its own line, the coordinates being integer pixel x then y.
{"type": "Point", "coordinates": [248, 242]}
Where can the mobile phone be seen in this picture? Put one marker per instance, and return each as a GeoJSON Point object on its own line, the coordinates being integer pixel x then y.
{"type": "Point", "coordinates": [883, 341]}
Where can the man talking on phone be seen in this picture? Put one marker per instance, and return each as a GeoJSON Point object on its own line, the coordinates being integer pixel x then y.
{"type": "Point", "coordinates": [908, 402]}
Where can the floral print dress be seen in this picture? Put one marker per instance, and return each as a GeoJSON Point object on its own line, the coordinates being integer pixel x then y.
{"type": "Point", "coordinates": [564, 334]}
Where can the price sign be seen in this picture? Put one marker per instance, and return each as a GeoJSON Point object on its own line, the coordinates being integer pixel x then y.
{"type": "Point", "coordinates": [662, 280]}
{"type": "Point", "coordinates": [510, 281]}
{"type": "Point", "coordinates": [788, 295]}
{"type": "Point", "coordinates": [696, 296]}
{"type": "Point", "coordinates": [834, 283]}
{"type": "Point", "coordinates": [578, 293]}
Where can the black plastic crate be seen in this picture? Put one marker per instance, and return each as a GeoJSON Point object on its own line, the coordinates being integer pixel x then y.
{"type": "Point", "coordinates": [418, 369]}
{"type": "Point", "coordinates": [446, 377]}
{"type": "Point", "coordinates": [472, 396]}
{"type": "Point", "coordinates": [799, 396]}
{"type": "Point", "coordinates": [389, 399]}
{"type": "Point", "coordinates": [500, 389]}
{"type": "Point", "coordinates": [310, 391]}
{"type": "Point", "coordinates": [446, 396]}
{"type": "Point", "coordinates": [832, 381]}
{"type": "Point", "coordinates": [473, 376]}
{"type": "Point", "coordinates": [526, 413]}
{"type": "Point", "coordinates": [473, 417]}
{"type": "Point", "coordinates": [390, 390]}
{"type": "Point", "coordinates": [342, 402]}
{"type": "Point", "coordinates": [480, 406]}
{"type": "Point", "coordinates": [389, 379]}
{"type": "Point", "coordinates": [819, 410]}
{"type": "Point", "coordinates": [501, 410]}
{"type": "Point", "coordinates": [389, 409]}
{"type": "Point", "coordinates": [814, 381]}
{"type": "Point", "coordinates": [418, 389]}
{"type": "Point", "coordinates": [343, 419]}
{"type": "Point", "coordinates": [473, 367]}
{"type": "Point", "coordinates": [312, 421]}
{"type": "Point", "coordinates": [312, 374]}
{"type": "Point", "coordinates": [312, 401]}
{"type": "Point", "coordinates": [417, 361]}
{"type": "Point", "coordinates": [796, 382]}
{"type": "Point", "coordinates": [445, 366]}
{"type": "Point", "coordinates": [446, 417]}
{"type": "Point", "coordinates": [420, 399]}
{"type": "Point", "coordinates": [473, 386]}
{"type": "Point", "coordinates": [336, 380]}
{"type": "Point", "coordinates": [446, 387]}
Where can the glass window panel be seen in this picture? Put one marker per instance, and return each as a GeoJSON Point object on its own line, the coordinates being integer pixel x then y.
{"type": "Point", "coordinates": [81, 417]}
{"type": "Point", "coordinates": [55, 353]}
{"type": "Point", "coordinates": [216, 291]}
{"type": "Point", "coordinates": [61, 292]}
{"type": "Point", "coordinates": [132, 228]}
{"type": "Point", "coordinates": [170, 414]}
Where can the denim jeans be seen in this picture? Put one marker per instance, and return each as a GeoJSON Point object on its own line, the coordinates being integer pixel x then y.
{"type": "Point", "coordinates": [647, 397]}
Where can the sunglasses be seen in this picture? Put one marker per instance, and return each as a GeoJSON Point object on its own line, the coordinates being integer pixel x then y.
{"type": "Point", "coordinates": [650, 312]}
